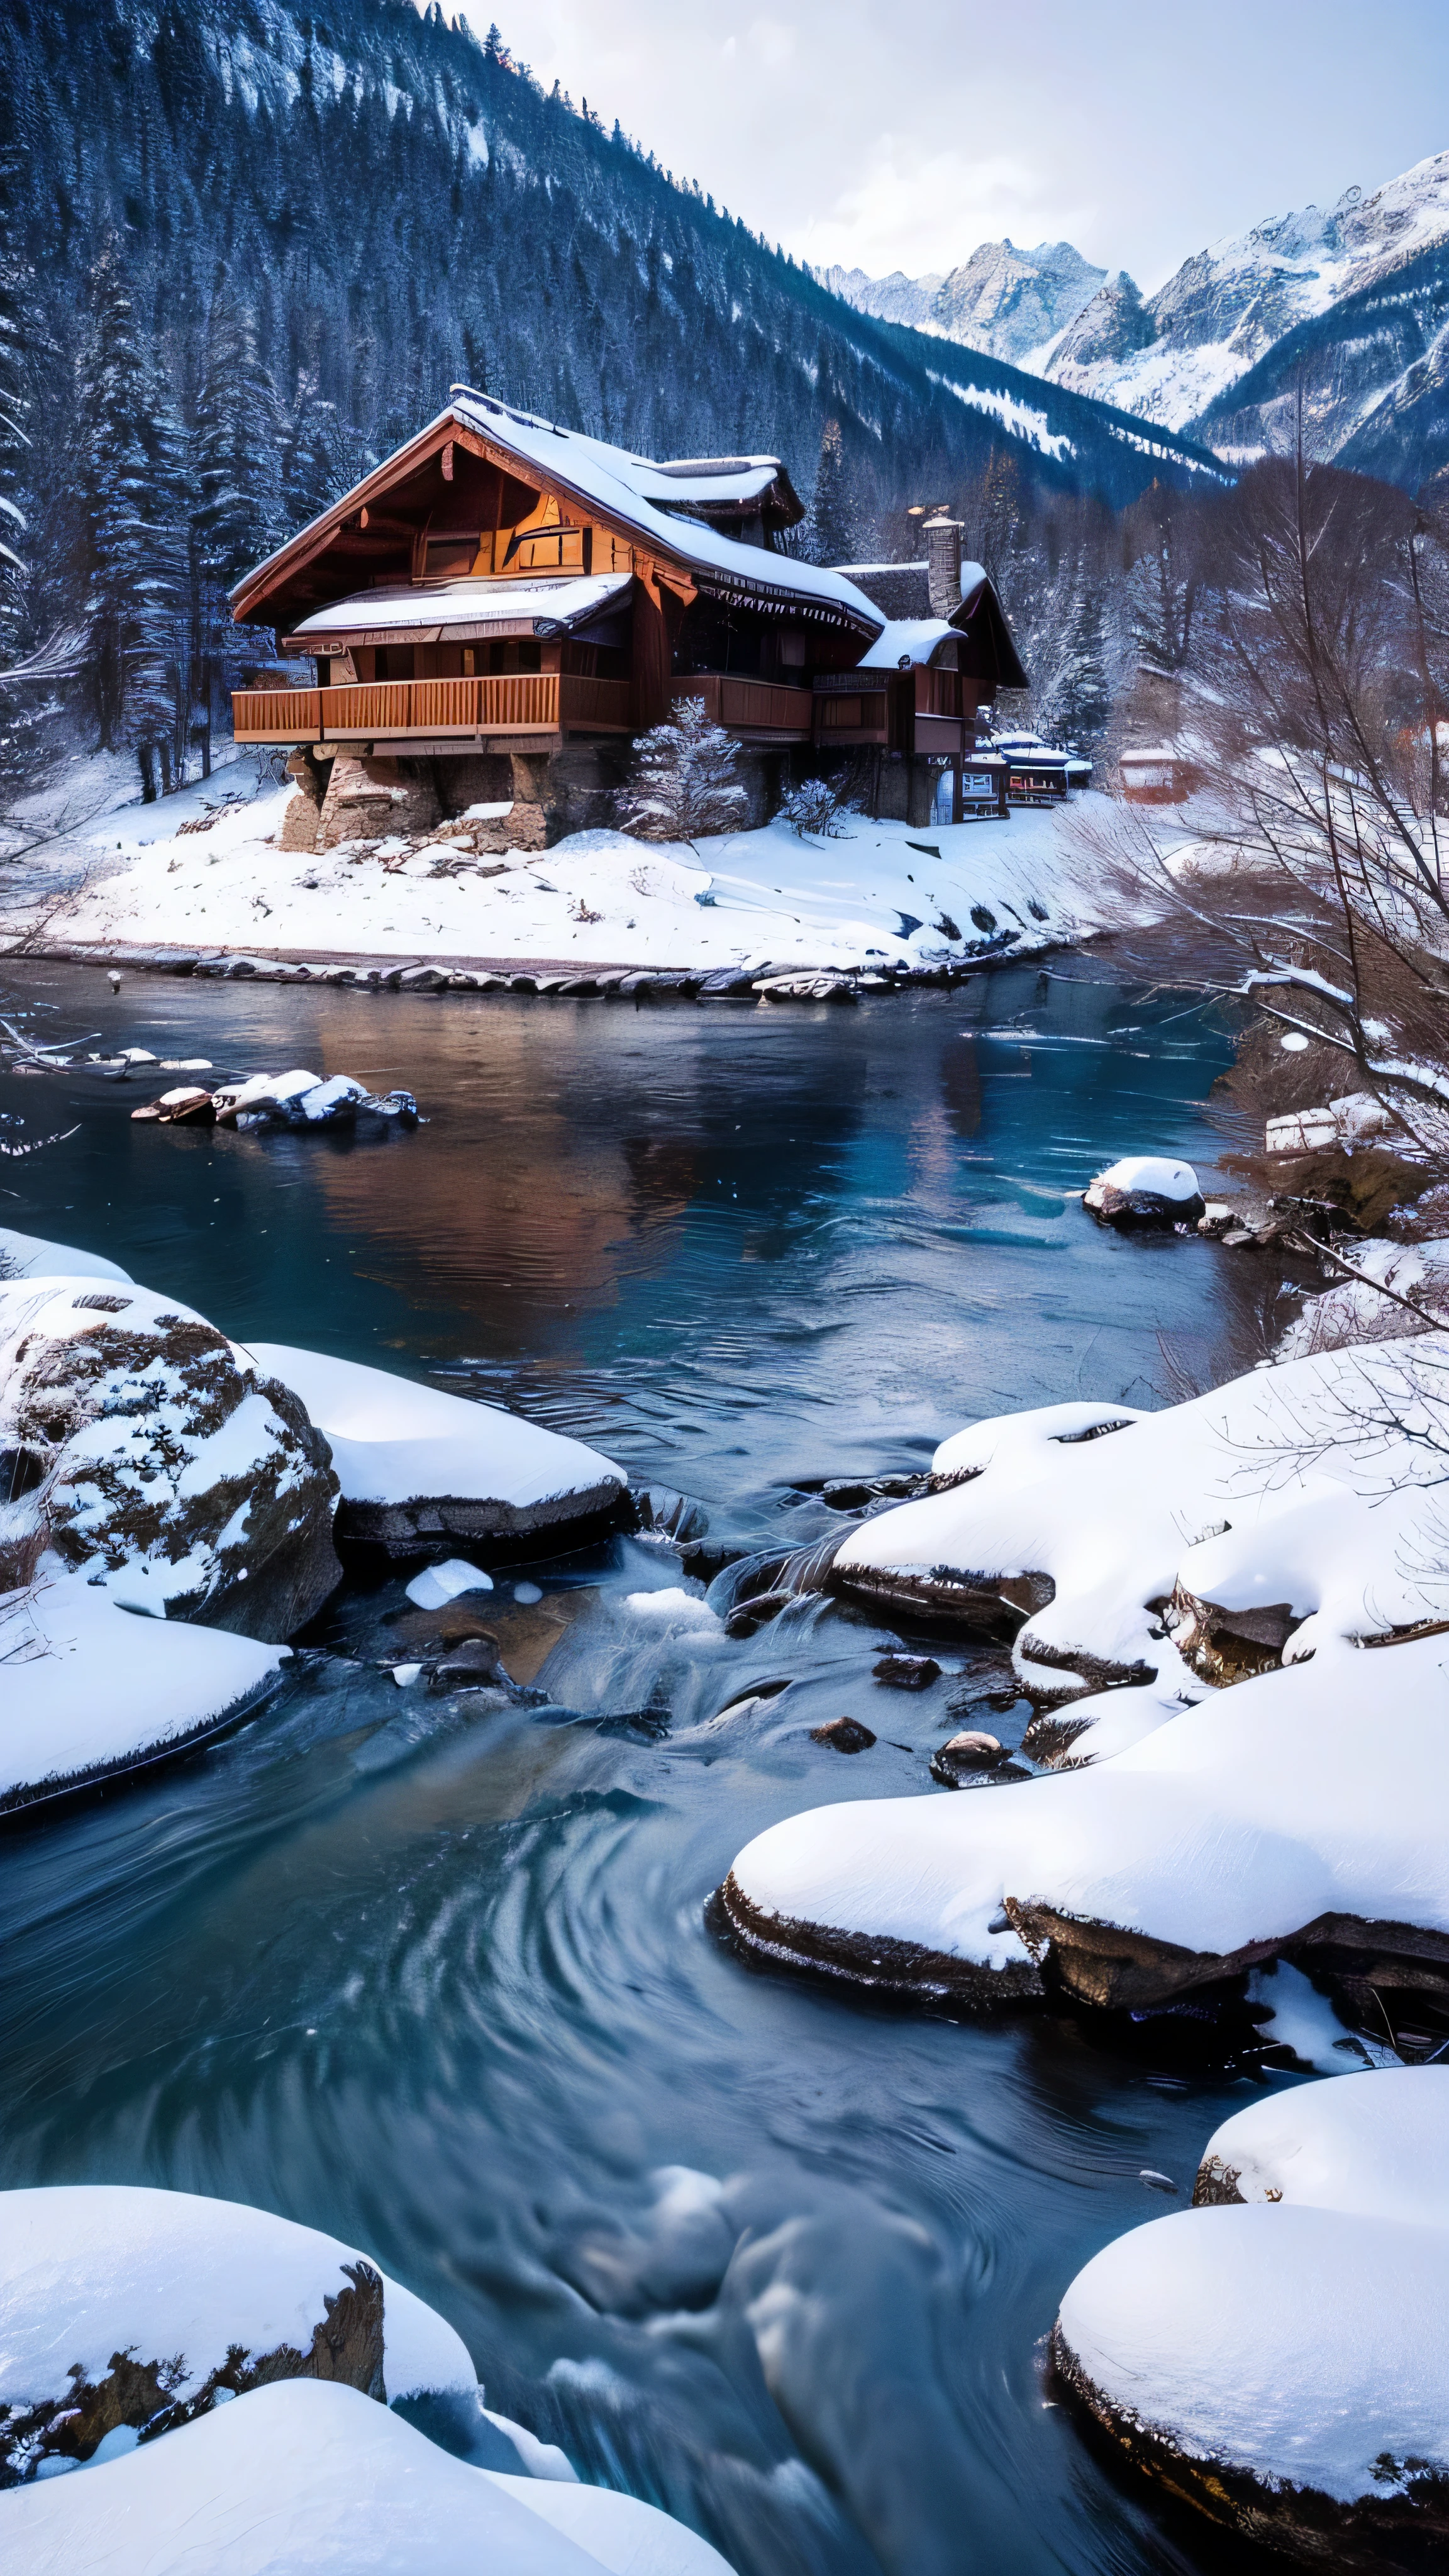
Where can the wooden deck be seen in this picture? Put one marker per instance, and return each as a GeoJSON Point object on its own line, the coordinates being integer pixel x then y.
{"type": "Point", "coordinates": [522, 704]}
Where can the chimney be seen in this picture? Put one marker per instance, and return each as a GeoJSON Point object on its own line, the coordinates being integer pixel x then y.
{"type": "Point", "coordinates": [943, 555]}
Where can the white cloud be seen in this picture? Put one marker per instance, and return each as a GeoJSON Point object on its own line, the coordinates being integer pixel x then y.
{"type": "Point", "coordinates": [904, 212]}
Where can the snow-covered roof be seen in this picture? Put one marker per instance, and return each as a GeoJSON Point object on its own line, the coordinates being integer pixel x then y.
{"type": "Point", "coordinates": [736, 479]}
{"type": "Point", "coordinates": [908, 640]}
{"type": "Point", "coordinates": [457, 611]}
{"type": "Point", "coordinates": [622, 485]}
{"type": "Point", "coordinates": [625, 489]}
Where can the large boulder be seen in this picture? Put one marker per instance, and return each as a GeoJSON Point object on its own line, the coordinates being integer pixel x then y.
{"type": "Point", "coordinates": [139, 1452]}
{"type": "Point", "coordinates": [1284, 2365]}
{"type": "Point", "coordinates": [419, 1468]}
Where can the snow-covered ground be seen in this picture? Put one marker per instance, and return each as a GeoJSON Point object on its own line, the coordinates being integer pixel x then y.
{"type": "Point", "coordinates": [882, 894]}
{"type": "Point", "coordinates": [1282, 2359]}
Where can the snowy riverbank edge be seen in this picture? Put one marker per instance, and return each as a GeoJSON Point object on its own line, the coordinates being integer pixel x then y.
{"type": "Point", "coordinates": [201, 885]}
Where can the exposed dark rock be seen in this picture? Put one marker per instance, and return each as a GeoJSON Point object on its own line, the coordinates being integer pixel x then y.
{"type": "Point", "coordinates": [1217, 2185]}
{"type": "Point", "coordinates": [902, 1968]}
{"type": "Point", "coordinates": [907, 1672]}
{"type": "Point", "coordinates": [756, 1612]}
{"type": "Point", "coordinates": [468, 1666]}
{"type": "Point", "coordinates": [986, 1605]}
{"type": "Point", "coordinates": [1405, 2527]}
{"type": "Point", "coordinates": [1227, 1646]}
{"type": "Point", "coordinates": [346, 2346]}
{"type": "Point", "coordinates": [413, 1529]}
{"type": "Point", "coordinates": [843, 1735]}
{"type": "Point", "coordinates": [965, 1754]}
{"type": "Point", "coordinates": [1140, 1208]}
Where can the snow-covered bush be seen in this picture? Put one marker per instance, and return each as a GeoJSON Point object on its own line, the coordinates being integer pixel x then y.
{"type": "Point", "coordinates": [684, 781]}
{"type": "Point", "coordinates": [815, 808]}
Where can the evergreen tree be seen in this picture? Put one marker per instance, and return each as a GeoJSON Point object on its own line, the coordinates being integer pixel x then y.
{"type": "Point", "coordinates": [130, 607]}
{"type": "Point", "coordinates": [684, 780]}
{"type": "Point", "coordinates": [834, 521]}
{"type": "Point", "coordinates": [315, 464]}
{"type": "Point", "coordinates": [15, 452]}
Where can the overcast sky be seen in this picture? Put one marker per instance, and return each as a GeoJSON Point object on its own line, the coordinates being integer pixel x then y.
{"type": "Point", "coordinates": [900, 133]}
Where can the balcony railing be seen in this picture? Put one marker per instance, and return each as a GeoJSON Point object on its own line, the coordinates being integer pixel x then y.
{"type": "Point", "coordinates": [749, 707]}
{"type": "Point", "coordinates": [523, 702]}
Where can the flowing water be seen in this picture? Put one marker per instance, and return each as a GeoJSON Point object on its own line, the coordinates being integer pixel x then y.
{"type": "Point", "coordinates": [443, 1978]}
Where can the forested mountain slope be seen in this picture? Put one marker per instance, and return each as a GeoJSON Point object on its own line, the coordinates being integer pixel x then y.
{"type": "Point", "coordinates": [321, 216]}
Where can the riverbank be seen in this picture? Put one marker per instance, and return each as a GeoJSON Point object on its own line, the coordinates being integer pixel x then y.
{"type": "Point", "coordinates": [202, 882]}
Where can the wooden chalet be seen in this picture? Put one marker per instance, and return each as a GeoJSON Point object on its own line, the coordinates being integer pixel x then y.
{"type": "Point", "coordinates": [501, 586]}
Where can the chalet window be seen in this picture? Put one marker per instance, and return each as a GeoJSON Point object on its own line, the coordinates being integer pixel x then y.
{"type": "Point", "coordinates": [792, 649]}
{"type": "Point", "coordinates": [394, 662]}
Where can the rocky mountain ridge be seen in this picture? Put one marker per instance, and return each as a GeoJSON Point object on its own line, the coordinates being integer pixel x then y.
{"type": "Point", "coordinates": [1354, 297]}
{"type": "Point", "coordinates": [1006, 302]}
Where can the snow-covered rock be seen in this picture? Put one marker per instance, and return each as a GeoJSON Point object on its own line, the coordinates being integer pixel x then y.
{"type": "Point", "coordinates": [417, 1466]}
{"type": "Point", "coordinates": [1145, 1189]}
{"type": "Point", "coordinates": [29, 1256]}
{"type": "Point", "coordinates": [121, 2305]}
{"type": "Point", "coordinates": [142, 1455]}
{"type": "Point", "coordinates": [310, 2477]}
{"type": "Point", "coordinates": [1378, 2150]}
{"type": "Point", "coordinates": [1249, 1827]}
{"type": "Point", "coordinates": [1136, 1547]}
{"type": "Point", "coordinates": [1285, 2365]}
{"type": "Point", "coordinates": [91, 1692]}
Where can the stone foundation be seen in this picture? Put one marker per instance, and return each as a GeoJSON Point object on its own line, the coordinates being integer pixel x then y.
{"type": "Point", "coordinates": [372, 799]}
{"type": "Point", "coordinates": [552, 793]}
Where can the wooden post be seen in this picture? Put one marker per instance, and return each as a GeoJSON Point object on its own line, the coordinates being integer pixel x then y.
{"type": "Point", "coordinates": [958, 814]}
{"type": "Point", "coordinates": [650, 655]}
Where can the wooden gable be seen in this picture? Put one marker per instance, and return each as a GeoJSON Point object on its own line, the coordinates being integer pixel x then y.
{"type": "Point", "coordinates": [447, 505]}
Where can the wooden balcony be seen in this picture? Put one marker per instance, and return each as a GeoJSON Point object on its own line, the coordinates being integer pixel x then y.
{"type": "Point", "coordinates": [915, 711]}
{"type": "Point", "coordinates": [754, 710]}
{"type": "Point", "coordinates": [852, 708]}
{"type": "Point", "coordinates": [518, 705]}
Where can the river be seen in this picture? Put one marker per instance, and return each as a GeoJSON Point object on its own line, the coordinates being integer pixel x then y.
{"type": "Point", "coordinates": [448, 1985]}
